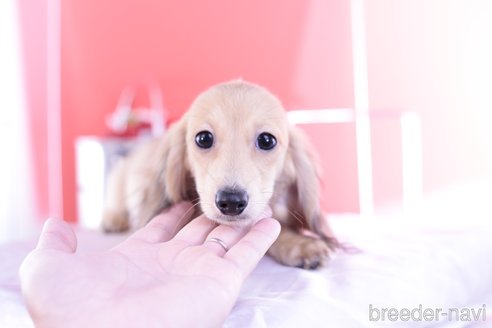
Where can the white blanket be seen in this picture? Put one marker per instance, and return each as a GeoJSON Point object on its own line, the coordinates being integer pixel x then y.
{"type": "Point", "coordinates": [412, 266]}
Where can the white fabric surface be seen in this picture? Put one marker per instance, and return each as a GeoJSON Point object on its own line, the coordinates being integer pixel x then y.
{"type": "Point", "coordinates": [393, 264]}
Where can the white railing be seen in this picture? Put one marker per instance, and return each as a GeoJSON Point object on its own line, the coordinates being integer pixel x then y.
{"type": "Point", "coordinates": [411, 149]}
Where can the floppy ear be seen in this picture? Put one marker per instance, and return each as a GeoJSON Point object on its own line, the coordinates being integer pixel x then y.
{"type": "Point", "coordinates": [168, 180]}
{"type": "Point", "coordinates": [174, 172]}
{"type": "Point", "coordinates": [305, 183]}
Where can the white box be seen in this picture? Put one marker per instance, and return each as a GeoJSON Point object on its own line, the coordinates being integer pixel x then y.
{"type": "Point", "coordinates": [95, 157]}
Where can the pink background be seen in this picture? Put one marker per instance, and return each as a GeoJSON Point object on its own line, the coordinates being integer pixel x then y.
{"type": "Point", "coordinates": [422, 55]}
{"type": "Point", "coordinates": [188, 46]}
{"type": "Point", "coordinates": [33, 29]}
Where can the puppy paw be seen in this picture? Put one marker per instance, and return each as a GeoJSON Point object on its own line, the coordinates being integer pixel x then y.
{"type": "Point", "coordinates": [310, 254]}
{"type": "Point", "coordinates": [114, 222]}
{"type": "Point", "coordinates": [302, 252]}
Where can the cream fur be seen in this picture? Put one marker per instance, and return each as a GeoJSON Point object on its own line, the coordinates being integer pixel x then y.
{"type": "Point", "coordinates": [166, 171]}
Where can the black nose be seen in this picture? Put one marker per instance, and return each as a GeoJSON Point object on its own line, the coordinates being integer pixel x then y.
{"type": "Point", "coordinates": [231, 201]}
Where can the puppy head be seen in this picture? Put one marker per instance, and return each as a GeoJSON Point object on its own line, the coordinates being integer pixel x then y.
{"type": "Point", "coordinates": [236, 139]}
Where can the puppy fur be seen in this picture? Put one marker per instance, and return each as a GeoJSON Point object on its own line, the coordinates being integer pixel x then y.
{"type": "Point", "coordinates": [165, 171]}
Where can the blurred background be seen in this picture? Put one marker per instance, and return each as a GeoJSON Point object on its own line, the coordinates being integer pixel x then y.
{"type": "Point", "coordinates": [403, 90]}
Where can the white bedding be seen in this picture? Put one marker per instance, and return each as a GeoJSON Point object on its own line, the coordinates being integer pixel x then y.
{"type": "Point", "coordinates": [398, 264]}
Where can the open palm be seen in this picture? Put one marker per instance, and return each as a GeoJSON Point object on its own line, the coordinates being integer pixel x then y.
{"type": "Point", "coordinates": [154, 278]}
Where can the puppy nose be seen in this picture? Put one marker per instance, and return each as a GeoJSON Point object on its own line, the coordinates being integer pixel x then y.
{"type": "Point", "coordinates": [231, 201]}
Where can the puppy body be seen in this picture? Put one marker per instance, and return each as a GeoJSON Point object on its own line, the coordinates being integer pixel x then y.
{"type": "Point", "coordinates": [234, 140]}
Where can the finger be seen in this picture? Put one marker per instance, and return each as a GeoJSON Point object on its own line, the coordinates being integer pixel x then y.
{"type": "Point", "coordinates": [165, 225]}
{"type": "Point", "coordinates": [57, 235]}
{"type": "Point", "coordinates": [192, 234]}
{"type": "Point", "coordinates": [222, 238]}
{"type": "Point", "coordinates": [195, 232]}
{"type": "Point", "coordinates": [250, 249]}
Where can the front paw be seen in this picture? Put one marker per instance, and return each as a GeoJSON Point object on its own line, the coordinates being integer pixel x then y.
{"type": "Point", "coordinates": [301, 251]}
{"type": "Point", "coordinates": [115, 222]}
{"type": "Point", "coordinates": [310, 254]}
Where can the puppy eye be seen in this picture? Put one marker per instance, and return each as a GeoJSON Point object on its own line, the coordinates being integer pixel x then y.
{"type": "Point", "coordinates": [204, 139]}
{"type": "Point", "coordinates": [266, 141]}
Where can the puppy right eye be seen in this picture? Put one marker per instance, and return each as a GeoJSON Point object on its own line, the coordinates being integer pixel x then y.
{"type": "Point", "coordinates": [204, 139]}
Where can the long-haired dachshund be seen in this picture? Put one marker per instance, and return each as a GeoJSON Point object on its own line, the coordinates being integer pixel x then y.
{"type": "Point", "coordinates": [234, 154]}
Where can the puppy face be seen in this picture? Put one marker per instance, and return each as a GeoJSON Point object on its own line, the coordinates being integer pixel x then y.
{"type": "Point", "coordinates": [236, 143]}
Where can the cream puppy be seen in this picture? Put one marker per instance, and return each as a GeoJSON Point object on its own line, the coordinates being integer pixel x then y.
{"type": "Point", "coordinates": [235, 156]}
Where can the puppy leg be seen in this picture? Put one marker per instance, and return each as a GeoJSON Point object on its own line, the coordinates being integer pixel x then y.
{"type": "Point", "coordinates": [115, 215]}
{"type": "Point", "coordinates": [294, 249]}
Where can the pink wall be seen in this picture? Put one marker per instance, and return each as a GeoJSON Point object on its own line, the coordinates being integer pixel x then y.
{"type": "Point", "coordinates": [427, 56]}
{"type": "Point", "coordinates": [299, 49]}
{"type": "Point", "coordinates": [33, 18]}
{"type": "Point", "coordinates": [435, 57]}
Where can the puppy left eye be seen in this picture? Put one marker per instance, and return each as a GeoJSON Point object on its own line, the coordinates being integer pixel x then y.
{"type": "Point", "coordinates": [266, 141]}
{"type": "Point", "coordinates": [204, 139]}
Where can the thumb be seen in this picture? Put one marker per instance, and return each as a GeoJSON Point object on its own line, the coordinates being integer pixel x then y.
{"type": "Point", "coordinates": [57, 235]}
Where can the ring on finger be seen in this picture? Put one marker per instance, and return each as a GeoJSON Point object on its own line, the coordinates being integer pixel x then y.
{"type": "Point", "coordinates": [218, 241]}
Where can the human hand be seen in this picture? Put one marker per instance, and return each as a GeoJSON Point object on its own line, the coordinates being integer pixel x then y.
{"type": "Point", "coordinates": [155, 278]}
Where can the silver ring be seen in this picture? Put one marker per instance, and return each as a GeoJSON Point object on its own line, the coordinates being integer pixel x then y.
{"type": "Point", "coordinates": [220, 242]}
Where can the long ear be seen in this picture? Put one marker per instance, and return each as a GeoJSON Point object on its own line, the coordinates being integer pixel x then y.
{"type": "Point", "coordinates": [174, 174]}
{"type": "Point", "coordinates": [169, 180]}
{"type": "Point", "coordinates": [306, 185]}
